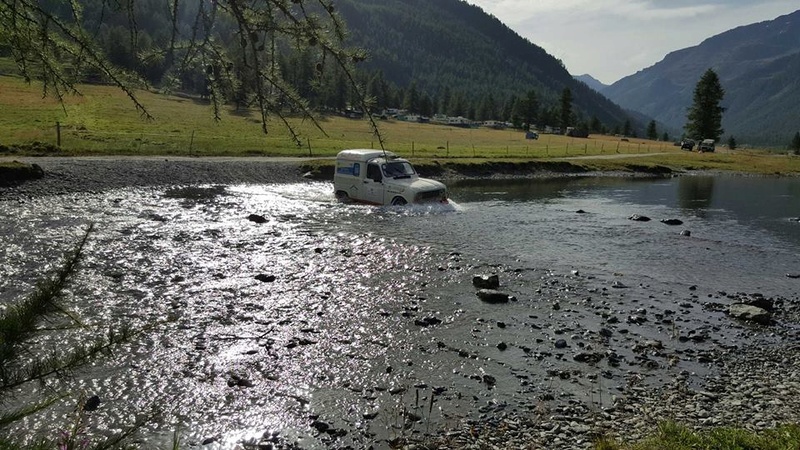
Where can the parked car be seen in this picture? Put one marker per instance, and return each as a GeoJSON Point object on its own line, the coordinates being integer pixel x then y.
{"type": "Point", "coordinates": [707, 145]}
{"type": "Point", "coordinates": [687, 144]}
{"type": "Point", "coordinates": [382, 178]}
{"type": "Point", "coordinates": [531, 135]}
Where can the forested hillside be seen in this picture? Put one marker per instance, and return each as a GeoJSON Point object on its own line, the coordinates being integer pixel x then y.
{"type": "Point", "coordinates": [459, 55]}
{"type": "Point", "coordinates": [429, 57]}
{"type": "Point", "coordinates": [758, 67]}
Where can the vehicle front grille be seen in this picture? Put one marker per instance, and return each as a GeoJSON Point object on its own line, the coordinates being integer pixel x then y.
{"type": "Point", "coordinates": [430, 196]}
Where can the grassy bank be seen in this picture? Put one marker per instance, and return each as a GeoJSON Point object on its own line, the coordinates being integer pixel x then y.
{"type": "Point", "coordinates": [102, 121]}
{"type": "Point", "coordinates": [672, 436]}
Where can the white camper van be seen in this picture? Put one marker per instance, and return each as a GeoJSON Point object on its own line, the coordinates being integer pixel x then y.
{"type": "Point", "coordinates": [382, 178]}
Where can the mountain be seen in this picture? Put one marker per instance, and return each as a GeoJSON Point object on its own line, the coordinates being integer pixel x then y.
{"type": "Point", "coordinates": [450, 45]}
{"type": "Point", "coordinates": [758, 66]}
{"type": "Point", "coordinates": [592, 82]}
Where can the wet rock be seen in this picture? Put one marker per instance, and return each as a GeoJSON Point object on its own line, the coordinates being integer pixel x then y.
{"type": "Point", "coordinates": [427, 321]}
{"type": "Point", "coordinates": [646, 346]}
{"type": "Point", "coordinates": [92, 403]}
{"type": "Point", "coordinates": [295, 342]}
{"type": "Point", "coordinates": [320, 426]}
{"type": "Point", "coordinates": [672, 221]}
{"type": "Point", "coordinates": [370, 415]}
{"type": "Point", "coordinates": [502, 346]}
{"type": "Point", "coordinates": [587, 357]}
{"type": "Point", "coordinates": [266, 278]}
{"type": "Point", "coordinates": [793, 275]}
{"type": "Point", "coordinates": [650, 364]}
{"type": "Point", "coordinates": [580, 211]}
{"type": "Point", "coordinates": [605, 332]}
{"type": "Point", "coordinates": [493, 296]}
{"type": "Point", "coordinates": [561, 343]}
{"type": "Point", "coordinates": [489, 380]}
{"type": "Point", "coordinates": [618, 285]}
{"type": "Point", "coordinates": [257, 218]}
{"type": "Point", "coordinates": [639, 218]}
{"type": "Point", "coordinates": [486, 281]}
{"type": "Point", "coordinates": [750, 313]}
{"type": "Point", "coordinates": [637, 319]}
{"type": "Point", "coordinates": [760, 302]}
{"type": "Point", "coordinates": [239, 381]}
{"type": "Point", "coordinates": [210, 440]}
{"type": "Point", "coordinates": [686, 233]}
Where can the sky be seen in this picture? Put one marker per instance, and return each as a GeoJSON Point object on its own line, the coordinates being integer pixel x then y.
{"type": "Point", "coordinates": [611, 39]}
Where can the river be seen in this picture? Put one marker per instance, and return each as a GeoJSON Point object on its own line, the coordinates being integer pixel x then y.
{"type": "Point", "coordinates": [334, 325]}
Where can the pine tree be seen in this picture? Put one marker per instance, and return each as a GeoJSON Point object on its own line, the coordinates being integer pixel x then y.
{"type": "Point", "coordinates": [732, 143]}
{"type": "Point", "coordinates": [595, 126]}
{"type": "Point", "coordinates": [529, 110]}
{"type": "Point", "coordinates": [626, 129]}
{"type": "Point", "coordinates": [411, 99]}
{"type": "Point", "coordinates": [704, 120]}
{"type": "Point", "coordinates": [566, 109]}
{"type": "Point", "coordinates": [795, 145]}
{"type": "Point", "coordinates": [652, 133]}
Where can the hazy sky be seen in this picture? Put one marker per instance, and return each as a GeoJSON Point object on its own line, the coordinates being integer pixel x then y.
{"type": "Point", "coordinates": [611, 39]}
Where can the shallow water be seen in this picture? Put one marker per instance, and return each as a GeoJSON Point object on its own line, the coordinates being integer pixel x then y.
{"type": "Point", "coordinates": [344, 334]}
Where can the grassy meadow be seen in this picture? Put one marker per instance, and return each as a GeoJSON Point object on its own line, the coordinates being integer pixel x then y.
{"type": "Point", "coordinates": [103, 121]}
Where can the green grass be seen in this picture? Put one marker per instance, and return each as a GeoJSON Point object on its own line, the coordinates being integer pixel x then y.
{"type": "Point", "coordinates": [103, 121]}
{"type": "Point", "coordinates": [672, 436]}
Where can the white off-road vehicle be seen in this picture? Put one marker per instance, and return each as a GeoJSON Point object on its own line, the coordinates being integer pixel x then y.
{"type": "Point", "coordinates": [382, 178]}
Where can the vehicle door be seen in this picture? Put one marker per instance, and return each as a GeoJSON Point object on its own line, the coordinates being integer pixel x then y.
{"type": "Point", "coordinates": [374, 189]}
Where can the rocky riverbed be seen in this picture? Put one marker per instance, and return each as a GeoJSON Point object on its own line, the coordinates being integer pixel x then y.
{"type": "Point", "coordinates": [557, 358]}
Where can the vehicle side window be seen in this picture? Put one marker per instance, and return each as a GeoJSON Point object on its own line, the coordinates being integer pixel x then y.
{"type": "Point", "coordinates": [357, 169]}
{"type": "Point", "coordinates": [374, 172]}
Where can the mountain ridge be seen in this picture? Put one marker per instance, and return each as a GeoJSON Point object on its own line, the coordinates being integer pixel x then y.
{"type": "Point", "coordinates": [592, 82]}
{"type": "Point", "coordinates": [754, 62]}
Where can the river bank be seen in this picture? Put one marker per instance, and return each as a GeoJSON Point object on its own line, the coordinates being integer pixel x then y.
{"type": "Point", "coordinates": [58, 175]}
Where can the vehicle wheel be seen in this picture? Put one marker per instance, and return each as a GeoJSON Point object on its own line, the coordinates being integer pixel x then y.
{"type": "Point", "coordinates": [342, 197]}
{"type": "Point", "coordinates": [398, 201]}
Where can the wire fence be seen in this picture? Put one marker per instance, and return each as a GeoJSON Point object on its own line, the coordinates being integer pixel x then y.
{"type": "Point", "coordinates": [430, 141]}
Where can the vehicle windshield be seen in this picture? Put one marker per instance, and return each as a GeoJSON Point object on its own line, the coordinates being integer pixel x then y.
{"type": "Point", "coordinates": [397, 169]}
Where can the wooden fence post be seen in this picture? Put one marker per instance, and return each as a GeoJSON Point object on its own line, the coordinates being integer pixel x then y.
{"type": "Point", "coordinates": [58, 134]}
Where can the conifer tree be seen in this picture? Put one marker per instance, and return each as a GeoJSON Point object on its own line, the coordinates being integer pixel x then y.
{"type": "Point", "coordinates": [652, 132]}
{"type": "Point", "coordinates": [704, 120]}
{"type": "Point", "coordinates": [566, 117]}
{"type": "Point", "coordinates": [795, 145]}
